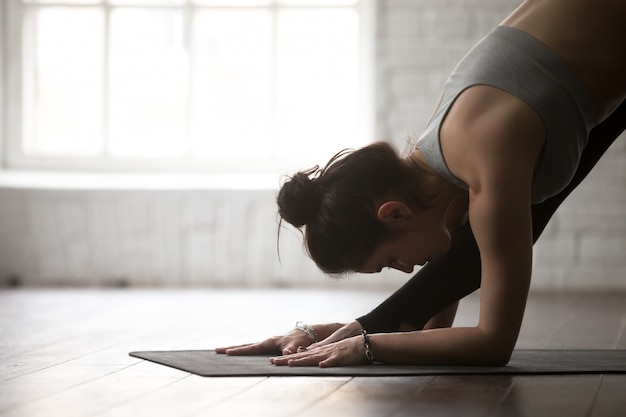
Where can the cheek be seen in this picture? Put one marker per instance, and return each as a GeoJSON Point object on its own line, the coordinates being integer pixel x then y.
{"type": "Point", "coordinates": [432, 240]}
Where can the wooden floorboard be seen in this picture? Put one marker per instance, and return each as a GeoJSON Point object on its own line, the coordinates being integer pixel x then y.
{"type": "Point", "coordinates": [549, 396]}
{"type": "Point", "coordinates": [611, 398]}
{"type": "Point", "coordinates": [64, 353]}
{"type": "Point", "coordinates": [467, 396]}
{"type": "Point", "coordinates": [369, 397]}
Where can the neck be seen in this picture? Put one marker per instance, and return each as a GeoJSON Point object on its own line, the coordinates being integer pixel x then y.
{"type": "Point", "coordinates": [446, 198]}
{"type": "Point", "coordinates": [429, 181]}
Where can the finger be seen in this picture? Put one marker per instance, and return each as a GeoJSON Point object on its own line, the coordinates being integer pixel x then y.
{"type": "Point", "coordinates": [328, 362]}
{"type": "Point", "coordinates": [290, 350]}
{"type": "Point", "coordinates": [244, 350]}
{"type": "Point", "coordinates": [280, 360]}
{"type": "Point", "coordinates": [313, 360]}
{"type": "Point", "coordinates": [283, 360]}
{"type": "Point", "coordinates": [224, 349]}
{"type": "Point", "coordinates": [298, 359]}
{"type": "Point", "coordinates": [252, 349]}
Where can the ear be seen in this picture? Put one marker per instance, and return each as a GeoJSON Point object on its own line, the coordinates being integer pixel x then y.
{"type": "Point", "coordinates": [394, 214]}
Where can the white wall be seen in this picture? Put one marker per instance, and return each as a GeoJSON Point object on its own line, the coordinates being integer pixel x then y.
{"type": "Point", "coordinates": [164, 236]}
{"type": "Point", "coordinates": [146, 238]}
{"type": "Point", "coordinates": [203, 236]}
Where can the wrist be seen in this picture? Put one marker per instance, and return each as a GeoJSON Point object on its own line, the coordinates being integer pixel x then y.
{"type": "Point", "coordinates": [355, 327]}
{"type": "Point", "coordinates": [325, 330]}
{"type": "Point", "coordinates": [308, 330]}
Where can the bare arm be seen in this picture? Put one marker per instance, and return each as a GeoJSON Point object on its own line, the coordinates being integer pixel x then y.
{"type": "Point", "coordinates": [496, 159]}
{"type": "Point", "coordinates": [502, 230]}
{"type": "Point", "coordinates": [499, 173]}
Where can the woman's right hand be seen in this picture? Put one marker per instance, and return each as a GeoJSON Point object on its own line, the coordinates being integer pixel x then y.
{"type": "Point", "coordinates": [286, 344]}
{"type": "Point", "coordinates": [283, 345]}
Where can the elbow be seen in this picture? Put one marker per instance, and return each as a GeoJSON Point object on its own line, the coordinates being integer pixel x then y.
{"type": "Point", "coordinates": [496, 351]}
{"type": "Point", "coordinates": [499, 359]}
{"type": "Point", "coordinates": [497, 347]}
{"type": "Point", "coordinates": [492, 358]}
{"type": "Point", "coordinates": [498, 355]}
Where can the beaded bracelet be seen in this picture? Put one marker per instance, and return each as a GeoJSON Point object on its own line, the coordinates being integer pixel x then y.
{"type": "Point", "coordinates": [369, 355]}
{"type": "Point", "coordinates": [308, 330]}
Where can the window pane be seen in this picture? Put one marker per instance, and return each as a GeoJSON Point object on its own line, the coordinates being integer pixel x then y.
{"type": "Point", "coordinates": [148, 81]}
{"type": "Point", "coordinates": [230, 79]}
{"type": "Point", "coordinates": [147, 2]}
{"type": "Point", "coordinates": [317, 81]}
{"type": "Point", "coordinates": [62, 1]}
{"type": "Point", "coordinates": [63, 113]}
{"type": "Point", "coordinates": [232, 110]}
{"type": "Point", "coordinates": [232, 3]}
{"type": "Point", "coordinates": [317, 2]}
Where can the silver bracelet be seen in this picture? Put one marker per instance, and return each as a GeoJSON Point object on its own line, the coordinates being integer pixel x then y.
{"type": "Point", "coordinates": [308, 330]}
{"type": "Point", "coordinates": [369, 355]}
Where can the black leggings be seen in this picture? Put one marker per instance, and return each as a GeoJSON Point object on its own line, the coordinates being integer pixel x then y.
{"type": "Point", "coordinates": [457, 273]}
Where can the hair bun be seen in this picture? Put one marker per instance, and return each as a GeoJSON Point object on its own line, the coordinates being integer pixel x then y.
{"type": "Point", "coordinates": [299, 198]}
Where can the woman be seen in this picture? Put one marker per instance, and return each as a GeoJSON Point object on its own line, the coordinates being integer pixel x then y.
{"type": "Point", "coordinates": [521, 121]}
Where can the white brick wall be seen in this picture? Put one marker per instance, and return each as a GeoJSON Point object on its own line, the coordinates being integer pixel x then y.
{"type": "Point", "coordinates": [153, 238]}
{"type": "Point", "coordinates": [585, 245]}
{"type": "Point", "coordinates": [221, 237]}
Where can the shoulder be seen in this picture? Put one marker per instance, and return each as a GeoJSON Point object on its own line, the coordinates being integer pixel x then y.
{"type": "Point", "coordinates": [489, 134]}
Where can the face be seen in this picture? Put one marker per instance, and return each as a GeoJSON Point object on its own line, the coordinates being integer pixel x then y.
{"type": "Point", "coordinates": [422, 239]}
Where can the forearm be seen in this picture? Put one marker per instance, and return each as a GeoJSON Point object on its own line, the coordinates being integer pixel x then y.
{"type": "Point", "coordinates": [467, 346]}
{"type": "Point", "coordinates": [444, 318]}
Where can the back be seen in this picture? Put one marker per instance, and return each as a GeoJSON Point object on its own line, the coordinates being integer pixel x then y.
{"type": "Point", "coordinates": [589, 35]}
{"type": "Point", "coordinates": [515, 62]}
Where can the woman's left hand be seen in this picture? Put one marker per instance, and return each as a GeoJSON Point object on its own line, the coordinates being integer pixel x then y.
{"type": "Point", "coordinates": [345, 352]}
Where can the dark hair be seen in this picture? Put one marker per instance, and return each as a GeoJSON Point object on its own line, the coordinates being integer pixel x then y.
{"type": "Point", "coordinates": [337, 207]}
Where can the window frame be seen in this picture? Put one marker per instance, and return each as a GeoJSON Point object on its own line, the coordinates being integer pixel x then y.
{"type": "Point", "coordinates": [12, 156]}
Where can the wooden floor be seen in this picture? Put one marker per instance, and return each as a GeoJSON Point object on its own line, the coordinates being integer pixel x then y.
{"type": "Point", "coordinates": [65, 353]}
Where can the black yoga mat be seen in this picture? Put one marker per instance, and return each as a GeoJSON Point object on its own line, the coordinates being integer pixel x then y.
{"type": "Point", "coordinates": [523, 362]}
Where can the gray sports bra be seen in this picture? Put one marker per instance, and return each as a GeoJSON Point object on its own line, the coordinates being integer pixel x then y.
{"type": "Point", "coordinates": [512, 60]}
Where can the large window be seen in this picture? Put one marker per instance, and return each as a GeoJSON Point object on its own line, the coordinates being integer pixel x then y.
{"type": "Point", "coordinates": [185, 84]}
